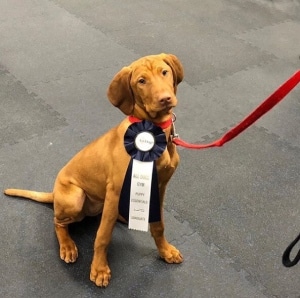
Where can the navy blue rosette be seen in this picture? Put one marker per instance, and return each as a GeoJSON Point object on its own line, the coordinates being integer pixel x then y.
{"type": "Point", "coordinates": [155, 151]}
{"type": "Point", "coordinates": [159, 144]}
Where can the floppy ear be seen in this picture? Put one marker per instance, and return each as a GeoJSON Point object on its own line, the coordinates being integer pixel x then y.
{"type": "Point", "coordinates": [176, 67]}
{"type": "Point", "coordinates": [119, 91]}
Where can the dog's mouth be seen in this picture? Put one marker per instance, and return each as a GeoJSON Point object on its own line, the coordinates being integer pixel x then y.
{"type": "Point", "coordinates": [160, 111]}
{"type": "Point", "coordinates": [160, 106]}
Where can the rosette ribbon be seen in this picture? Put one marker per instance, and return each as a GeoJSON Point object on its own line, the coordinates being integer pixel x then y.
{"type": "Point", "coordinates": [144, 142]}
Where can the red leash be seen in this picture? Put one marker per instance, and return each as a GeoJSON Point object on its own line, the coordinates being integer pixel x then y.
{"type": "Point", "coordinates": [266, 106]}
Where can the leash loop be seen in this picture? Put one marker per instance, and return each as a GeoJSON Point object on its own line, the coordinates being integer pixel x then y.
{"type": "Point", "coordinates": [286, 261]}
{"type": "Point", "coordinates": [174, 135]}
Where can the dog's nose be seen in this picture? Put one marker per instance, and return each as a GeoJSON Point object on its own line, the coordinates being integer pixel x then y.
{"type": "Point", "coordinates": [165, 99]}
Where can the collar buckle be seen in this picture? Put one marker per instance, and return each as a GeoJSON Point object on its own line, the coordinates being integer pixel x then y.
{"type": "Point", "coordinates": [174, 135]}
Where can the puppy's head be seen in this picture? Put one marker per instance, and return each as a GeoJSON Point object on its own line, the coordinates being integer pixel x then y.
{"type": "Point", "coordinates": [147, 87]}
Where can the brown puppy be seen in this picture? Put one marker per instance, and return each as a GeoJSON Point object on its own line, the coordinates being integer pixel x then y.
{"type": "Point", "coordinates": [91, 181]}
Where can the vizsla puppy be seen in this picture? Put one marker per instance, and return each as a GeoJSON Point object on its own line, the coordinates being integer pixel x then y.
{"type": "Point", "coordinates": [90, 183]}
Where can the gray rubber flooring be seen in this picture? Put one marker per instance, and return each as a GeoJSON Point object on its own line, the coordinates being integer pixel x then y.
{"type": "Point", "coordinates": [231, 210]}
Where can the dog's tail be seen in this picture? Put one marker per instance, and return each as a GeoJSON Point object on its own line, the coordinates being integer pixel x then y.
{"type": "Point", "coordinates": [42, 197]}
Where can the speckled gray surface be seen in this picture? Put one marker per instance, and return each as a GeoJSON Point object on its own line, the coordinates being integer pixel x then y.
{"type": "Point", "coordinates": [230, 210]}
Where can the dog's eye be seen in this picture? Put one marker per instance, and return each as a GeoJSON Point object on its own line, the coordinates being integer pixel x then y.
{"type": "Point", "coordinates": [164, 72]}
{"type": "Point", "coordinates": [142, 81]}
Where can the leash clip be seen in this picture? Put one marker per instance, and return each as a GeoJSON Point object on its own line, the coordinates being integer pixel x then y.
{"type": "Point", "coordinates": [174, 135]}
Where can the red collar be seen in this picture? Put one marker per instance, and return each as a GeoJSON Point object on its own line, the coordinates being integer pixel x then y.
{"type": "Point", "coordinates": [162, 125]}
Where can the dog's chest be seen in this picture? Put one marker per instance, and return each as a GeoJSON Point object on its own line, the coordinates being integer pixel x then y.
{"type": "Point", "coordinates": [168, 161]}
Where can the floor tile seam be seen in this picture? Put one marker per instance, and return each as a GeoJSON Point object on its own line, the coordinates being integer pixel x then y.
{"type": "Point", "coordinates": [270, 4]}
{"type": "Point", "coordinates": [252, 67]}
{"type": "Point", "coordinates": [105, 32]}
{"type": "Point", "coordinates": [226, 32]}
{"type": "Point", "coordinates": [183, 238]}
{"type": "Point", "coordinates": [108, 35]}
{"type": "Point", "coordinates": [49, 108]}
{"type": "Point", "coordinates": [42, 102]}
{"type": "Point", "coordinates": [216, 134]}
{"type": "Point", "coordinates": [256, 47]}
{"type": "Point", "coordinates": [17, 141]}
{"type": "Point", "coordinates": [88, 24]}
{"type": "Point", "coordinates": [95, 27]}
{"type": "Point", "coordinates": [74, 74]}
{"type": "Point", "coordinates": [242, 37]}
{"type": "Point", "coordinates": [229, 34]}
{"type": "Point", "coordinates": [212, 24]}
{"type": "Point", "coordinates": [277, 137]}
{"type": "Point", "coordinates": [120, 44]}
{"type": "Point", "coordinates": [5, 70]}
{"type": "Point", "coordinates": [260, 28]}
{"type": "Point", "coordinates": [272, 59]}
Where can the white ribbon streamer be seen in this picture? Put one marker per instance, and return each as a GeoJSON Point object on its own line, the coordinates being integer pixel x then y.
{"type": "Point", "coordinates": [141, 181]}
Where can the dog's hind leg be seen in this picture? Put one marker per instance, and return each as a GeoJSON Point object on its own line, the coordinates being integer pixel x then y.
{"type": "Point", "coordinates": [68, 204]}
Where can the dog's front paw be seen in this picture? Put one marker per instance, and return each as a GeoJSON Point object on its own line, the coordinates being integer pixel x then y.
{"type": "Point", "coordinates": [68, 251]}
{"type": "Point", "coordinates": [100, 276]}
{"type": "Point", "coordinates": [171, 254]}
